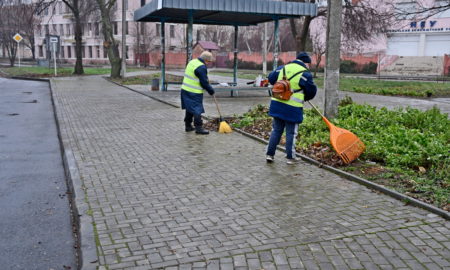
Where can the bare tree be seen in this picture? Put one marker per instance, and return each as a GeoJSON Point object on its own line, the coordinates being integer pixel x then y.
{"type": "Point", "coordinates": [9, 26]}
{"type": "Point", "coordinates": [111, 44]}
{"type": "Point", "coordinates": [318, 45]}
{"type": "Point", "coordinates": [361, 20]}
{"type": "Point", "coordinates": [421, 9]}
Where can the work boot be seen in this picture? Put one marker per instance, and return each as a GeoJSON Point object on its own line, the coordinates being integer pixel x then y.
{"type": "Point", "coordinates": [201, 130]}
{"type": "Point", "coordinates": [189, 128]}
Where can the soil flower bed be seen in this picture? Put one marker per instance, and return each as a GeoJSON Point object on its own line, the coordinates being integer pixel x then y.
{"type": "Point", "coordinates": [406, 150]}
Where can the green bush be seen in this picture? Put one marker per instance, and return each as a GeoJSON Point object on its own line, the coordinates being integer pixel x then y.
{"type": "Point", "coordinates": [369, 68]}
{"type": "Point", "coordinates": [348, 66]}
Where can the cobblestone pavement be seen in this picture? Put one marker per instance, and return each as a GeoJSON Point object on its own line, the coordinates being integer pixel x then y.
{"type": "Point", "coordinates": [162, 198]}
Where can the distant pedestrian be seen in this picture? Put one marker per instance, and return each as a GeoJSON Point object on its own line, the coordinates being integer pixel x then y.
{"type": "Point", "coordinates": [288, 114]}
{"type": "Point", "coordinates": [195, 81]}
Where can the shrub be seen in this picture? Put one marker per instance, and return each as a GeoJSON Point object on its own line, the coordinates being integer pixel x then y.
{"type": "Point", "coordinates": [348, 66]}
{"type": "Point", "coordinates": [369, 68]}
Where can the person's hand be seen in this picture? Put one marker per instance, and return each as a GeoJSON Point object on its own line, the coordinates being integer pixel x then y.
{"type": "Point", "coordinates": [212, 92]}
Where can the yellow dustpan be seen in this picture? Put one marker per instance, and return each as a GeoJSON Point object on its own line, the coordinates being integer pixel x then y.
{"type": "Point", "coordinates": [223, 126]}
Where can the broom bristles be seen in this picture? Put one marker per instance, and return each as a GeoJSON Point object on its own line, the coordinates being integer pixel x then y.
{"type": "Point", "coordinates": [224, 127]}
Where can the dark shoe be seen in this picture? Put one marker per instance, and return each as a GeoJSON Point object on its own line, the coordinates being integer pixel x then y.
{"type": "Point", "coordinates": [270, 159]}
{"type": "Point", "coordinates": [201, 131]}
{"type": "Point", "coordinates": [189, 128]}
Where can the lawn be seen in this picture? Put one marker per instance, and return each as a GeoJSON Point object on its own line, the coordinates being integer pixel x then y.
{"type": "Point", "coordinates": [50, 72]}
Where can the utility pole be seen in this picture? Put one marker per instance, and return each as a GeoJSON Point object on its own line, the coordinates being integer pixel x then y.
{"type": "Point", "coordinates": [265, 50]}
{"type": "Point", "coordinates": [124, 45]}
{"type": "Point", "coordinates": [333, 58]}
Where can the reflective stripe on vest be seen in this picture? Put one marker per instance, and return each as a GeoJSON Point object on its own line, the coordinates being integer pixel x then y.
{"type": "Point", "coordinates": [297, 99]}
{"type": "Point", "coordinates": [191, 83]}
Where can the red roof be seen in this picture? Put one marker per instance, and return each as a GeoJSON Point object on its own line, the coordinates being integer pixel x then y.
{"type": "Point", "coordinates": [208, 45]}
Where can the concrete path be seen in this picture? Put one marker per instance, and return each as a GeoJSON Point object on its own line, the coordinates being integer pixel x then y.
{"type": "Point", "coordinates": [162, 198]}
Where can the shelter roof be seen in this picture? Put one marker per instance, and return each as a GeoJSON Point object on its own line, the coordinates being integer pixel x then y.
{"type": "Point", "coordinates": [222, 12]}
{"type": "Point", "coordinates": [208, 45]}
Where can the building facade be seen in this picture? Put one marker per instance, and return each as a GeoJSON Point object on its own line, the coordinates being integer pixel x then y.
{"type": "Point", "coordinates": [57, 20]}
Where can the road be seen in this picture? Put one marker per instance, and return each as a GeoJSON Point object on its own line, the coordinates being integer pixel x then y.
{"type": "Point", "coordinates": [35, 221]}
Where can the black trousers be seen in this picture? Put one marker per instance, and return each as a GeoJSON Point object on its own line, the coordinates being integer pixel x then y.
{"type": "Point", "coordinates": [197, 119]}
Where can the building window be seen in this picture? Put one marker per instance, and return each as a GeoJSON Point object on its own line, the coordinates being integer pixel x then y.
{"type": "Point", "coordinates": [116, 31]}
{"type": "Point", "coordinates": [62, 51]}
{"type": "Point", "coordinates": [126, 52]}
{"type": "Point", "coordinates": [96, 29]}
{"type": "Point", "coordinates": [172, 31]}
{"type": "Point", "coordinates": [61, 29]}
{"type": "Point", "coordinates": [98, 52]}
{"type": "Point", "coordinates": [69, 52]}
{"type": "Point", "coordinates": [105, 52]}
{"type": "Point", "coordinates": [39, 30]}
{"type": "Point", "coordinates": [60, 7]}
{"type": "Point", "coordinates": [47, 31]}
{"type": "Point", "coordinates": [54, 26]}
{"type": "Point", "coordinates": [158, 29]}
{"type": "Point", "coordinates": [142, 3]}
{"type": "Point", "coordinates": [90, 51]}
{"type": "Point", "coordinates": [126, 28]}
{"type": "Point", "coordinates": [41, 51]}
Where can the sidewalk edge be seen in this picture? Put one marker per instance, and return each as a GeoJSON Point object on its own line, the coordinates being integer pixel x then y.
{"type": "Point", "coordinates": [87, 248]}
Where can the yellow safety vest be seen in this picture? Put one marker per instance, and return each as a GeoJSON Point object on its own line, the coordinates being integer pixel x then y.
{"type": "Point", "coordinates": [297, 99]}
{"type": "Point", "coordinates": [191, 82]}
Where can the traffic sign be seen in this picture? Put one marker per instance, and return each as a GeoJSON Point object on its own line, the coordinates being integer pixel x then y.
{"type": "Point", "coordinates": [17, 37]}
{"type": "Point", "coordinates": [53, 40]}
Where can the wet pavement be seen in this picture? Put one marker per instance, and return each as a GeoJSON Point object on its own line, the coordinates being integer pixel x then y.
{"type": "Point", "coordinates": [35, 219]}
{"type": "Point", "coordinates": [161, 198]}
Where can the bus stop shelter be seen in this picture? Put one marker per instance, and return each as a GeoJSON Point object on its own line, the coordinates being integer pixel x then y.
{"type": "Point", "coordinates": [220, 12]}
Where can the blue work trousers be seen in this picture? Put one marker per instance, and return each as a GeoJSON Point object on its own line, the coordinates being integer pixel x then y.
{"type": "Point", "coordinates": [278, 126]}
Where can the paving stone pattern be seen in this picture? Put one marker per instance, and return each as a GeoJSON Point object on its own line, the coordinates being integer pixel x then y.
{"type": "Point", "coordinates": [162, 198]}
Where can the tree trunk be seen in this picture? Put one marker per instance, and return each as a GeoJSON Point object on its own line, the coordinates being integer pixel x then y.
{"type": "Point", "coordinates": [78, 70]}
{"type": "Point", "coordinates": [303, 37]}
{"type": "Point", "coordinates": [110, 43]}
{"type": "Point", "coordinates": [333, 58]}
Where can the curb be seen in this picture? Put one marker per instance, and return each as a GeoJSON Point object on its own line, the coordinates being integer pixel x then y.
{"type": "Point", "coordinates": [87, 248]}
{"type": "Point", "coordinates": [406, 199]}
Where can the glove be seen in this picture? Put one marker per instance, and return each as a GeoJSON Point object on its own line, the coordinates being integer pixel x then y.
{"type": "Point", "coordinates": [211, 92]}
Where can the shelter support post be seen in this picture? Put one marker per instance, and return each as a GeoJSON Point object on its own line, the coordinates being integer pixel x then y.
{"type": "Point", "coordinates": [189, 37]}
{"type": "Point", "coordinates": [276, 43]}
{"type": "Point", "coordinates": [235, 65]}
{"type": "Point", "coordinates": [163, 60]}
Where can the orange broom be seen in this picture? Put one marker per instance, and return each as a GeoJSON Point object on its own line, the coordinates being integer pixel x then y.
{"type": "Point", "coordinates": [223, 126]}
{"type": "Point", "coordinates": [347, 145]}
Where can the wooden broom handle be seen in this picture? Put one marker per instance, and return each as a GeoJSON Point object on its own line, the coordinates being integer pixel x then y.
{"type": "Point", "coordinates": [217, 105]}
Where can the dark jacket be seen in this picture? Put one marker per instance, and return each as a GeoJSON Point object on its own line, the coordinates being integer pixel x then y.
{"type": "Point", "coordinates": [284, 111]}
{"type": "Point", "coordinates": [193, 102]}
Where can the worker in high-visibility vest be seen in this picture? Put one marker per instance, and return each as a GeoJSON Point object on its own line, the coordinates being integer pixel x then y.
{"type": "Point", "coordinates": [288, 114]}
{"type": "Point", "coordinates": [195, 81]}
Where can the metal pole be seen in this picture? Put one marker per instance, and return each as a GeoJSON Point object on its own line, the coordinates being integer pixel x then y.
{"type": "Point", "coordinates": [275, 43]}
{"type": "Point", "coordinates": [54, 55]}
{"type": "Point", "coordinates": [235, 66]}
{"type": "Point", "coordinates": [189, 36]}
{"type": "Point", "coordinates": [265, 50]}
{"type": "Point", "coordinates": [163, 60]}
{"type": "Point", "coordinates": [18, 51]}
{"type": "Point", "coordinates": [124, 54]}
